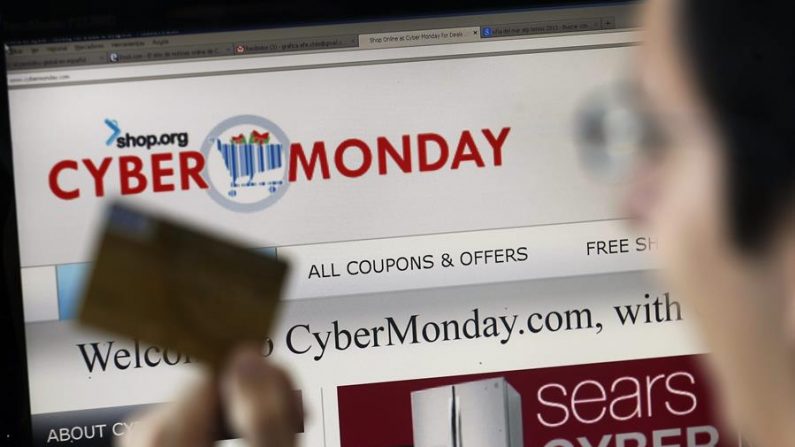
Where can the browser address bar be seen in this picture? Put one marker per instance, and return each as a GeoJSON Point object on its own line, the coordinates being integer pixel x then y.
{"type": "Point", "coordinates": [120, 73]}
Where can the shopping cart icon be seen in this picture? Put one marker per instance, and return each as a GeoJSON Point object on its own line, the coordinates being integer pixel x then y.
{"type": "Point", "coordinates": [249, 162]}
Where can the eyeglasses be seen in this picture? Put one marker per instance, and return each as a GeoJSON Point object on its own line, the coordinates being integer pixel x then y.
{"type": "Point", "coordinates": [614, 129]}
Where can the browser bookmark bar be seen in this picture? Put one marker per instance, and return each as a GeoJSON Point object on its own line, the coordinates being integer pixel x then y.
{"type": "Point", "coordinates": [288, 61]}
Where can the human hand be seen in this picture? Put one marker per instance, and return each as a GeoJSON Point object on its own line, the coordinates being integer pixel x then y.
{"type": "Point", "coordinates": [254, 397]}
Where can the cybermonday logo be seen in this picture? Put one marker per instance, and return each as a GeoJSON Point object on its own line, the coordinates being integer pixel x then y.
{"type": "Point", "coordinates": [246, 163]}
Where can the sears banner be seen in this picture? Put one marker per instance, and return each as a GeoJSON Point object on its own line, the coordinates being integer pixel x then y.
{"type": "Point", "coordinates": [654, 402]}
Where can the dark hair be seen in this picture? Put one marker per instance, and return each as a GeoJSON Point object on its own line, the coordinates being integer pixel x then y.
{"type": "Point", "coordinates": [742, 54]}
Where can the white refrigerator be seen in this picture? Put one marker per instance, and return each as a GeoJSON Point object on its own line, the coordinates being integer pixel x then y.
{"type": "Point", "coordinates": [485, 413]}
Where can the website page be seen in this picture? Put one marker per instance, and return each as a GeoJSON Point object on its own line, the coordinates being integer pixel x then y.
{"type": "Point", "coordinates": [458, 277]}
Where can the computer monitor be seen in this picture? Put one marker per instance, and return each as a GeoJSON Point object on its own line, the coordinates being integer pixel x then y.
{"type": "Point", "coordinates": [452, 257]}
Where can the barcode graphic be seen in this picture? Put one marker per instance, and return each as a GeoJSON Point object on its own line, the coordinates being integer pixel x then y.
{"type": "Point", "coordinates": [247, 160]}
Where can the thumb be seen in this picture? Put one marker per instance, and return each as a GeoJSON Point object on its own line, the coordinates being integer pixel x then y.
{"type": "Point", "coordinates": [187, 422]}
{"type": "Point", "coordinates": [259, 400]}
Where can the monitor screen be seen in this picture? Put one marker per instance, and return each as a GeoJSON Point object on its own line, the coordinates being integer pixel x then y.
{"type": "Point", "coordinates": [458, 276]}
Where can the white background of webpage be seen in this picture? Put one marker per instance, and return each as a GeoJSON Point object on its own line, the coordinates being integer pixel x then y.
{"type": "Point", "coordinates": [72, 390]}
{"type": "Point", "coordinates": [319, 371]}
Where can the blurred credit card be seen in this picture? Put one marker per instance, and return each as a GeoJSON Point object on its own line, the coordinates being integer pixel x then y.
{"type": "Point", "coordinates": [157, 281]}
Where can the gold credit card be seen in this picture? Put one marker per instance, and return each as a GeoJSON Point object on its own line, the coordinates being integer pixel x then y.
{"type": "Point", "coordinates": [160, 282]}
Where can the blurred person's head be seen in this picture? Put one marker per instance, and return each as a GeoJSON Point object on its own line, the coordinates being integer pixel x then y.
{"type": "Point", "coordinates": [717, 77]}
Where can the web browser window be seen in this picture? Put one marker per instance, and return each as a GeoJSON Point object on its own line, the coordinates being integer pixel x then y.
{"type": "Point", "coordinates": [458, 277]}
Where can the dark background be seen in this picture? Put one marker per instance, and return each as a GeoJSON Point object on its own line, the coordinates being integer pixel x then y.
{"type": "Point", "coordinates": [38, 21]}
{"type": "Point", "coordinates": [35, 19]}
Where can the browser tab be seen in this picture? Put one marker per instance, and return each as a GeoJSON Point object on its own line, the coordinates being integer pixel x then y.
{"type": "Point", "coordinates": [166, 53]}
{"type": "Point", "coordinates": [54, 60]}
{"type": "Point", "coordinates": [548, 27]}
{"type": "Point", "coordinates": [299, 44]}
{"type": "Point", "coordinates": [419, 37]}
